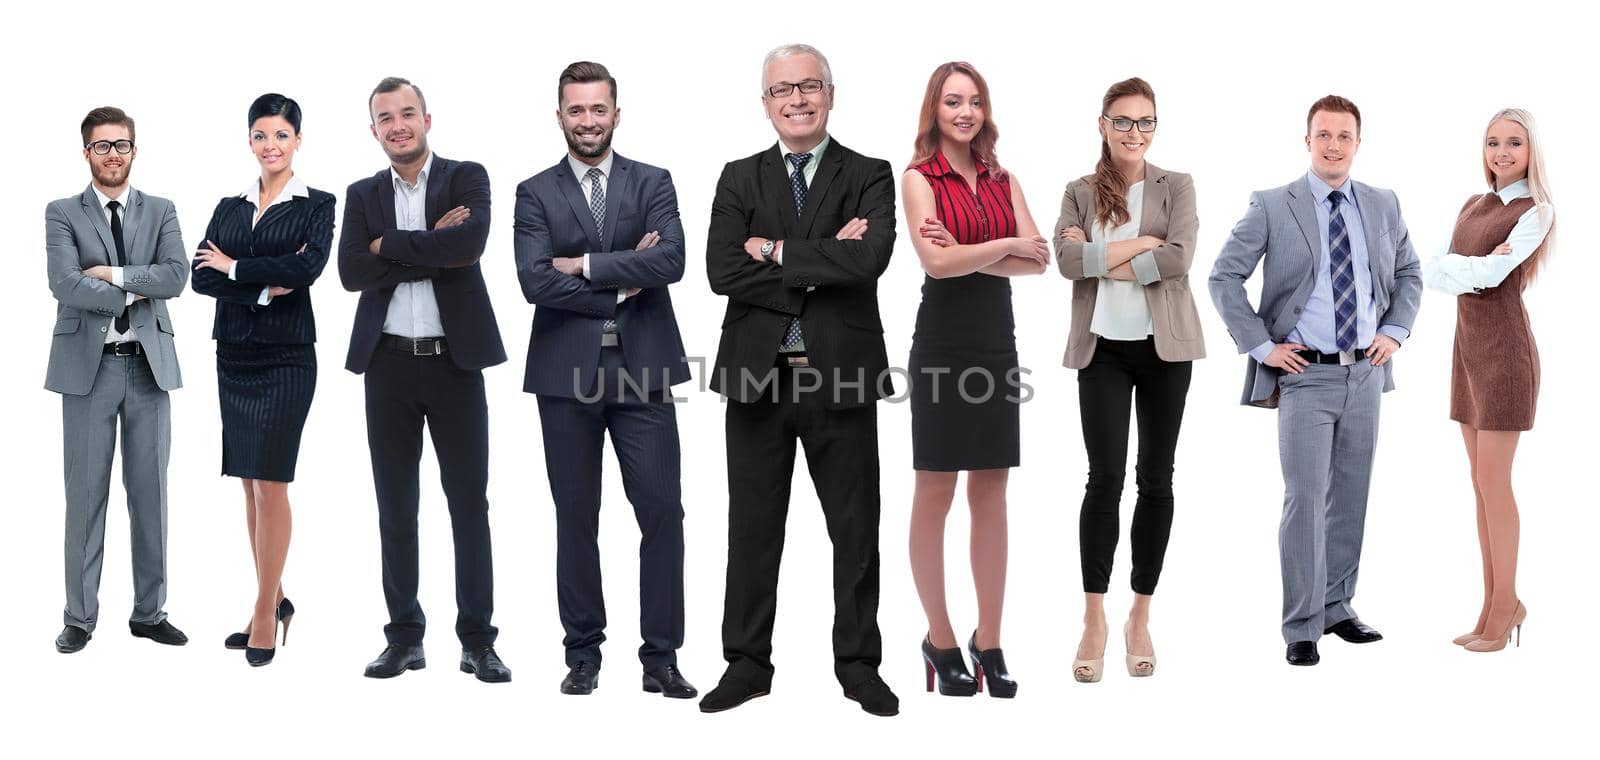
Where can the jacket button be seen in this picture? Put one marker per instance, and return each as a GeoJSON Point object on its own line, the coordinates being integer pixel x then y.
{"type": "Point", "coordinates": [1297, 310]}
{"type": "Point", "coordinates": [102, 329]}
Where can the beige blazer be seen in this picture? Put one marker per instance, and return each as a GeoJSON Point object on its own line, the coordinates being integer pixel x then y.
{"type": "Point", "coordinates": [1164, 272]}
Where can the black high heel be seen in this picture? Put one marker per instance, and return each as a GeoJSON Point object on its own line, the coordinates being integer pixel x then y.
{"type": "Point", "coordinates": [991, 664]}
{"type": "Point", "coordinates": [241, 640]}
{"type": "Point", "coordinates": [946, 668]}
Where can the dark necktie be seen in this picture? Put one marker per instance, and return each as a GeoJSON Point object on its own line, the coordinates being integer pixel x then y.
{"type": "Point", "coordinates": [121, 322]}
{"type": "Point", "coordinates": [797, 183]}
{"type": "Point", "coordinates": [597, 209]}
{"type": "Point", "coordinates": [1342, 269]}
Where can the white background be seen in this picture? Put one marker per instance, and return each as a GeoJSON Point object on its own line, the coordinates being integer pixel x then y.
{"type": "Point", "coordinates": [1233, 86]}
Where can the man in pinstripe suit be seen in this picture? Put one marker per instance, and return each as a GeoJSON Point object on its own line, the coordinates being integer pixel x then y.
{"type": "Point", "coordinates": [603, 357]}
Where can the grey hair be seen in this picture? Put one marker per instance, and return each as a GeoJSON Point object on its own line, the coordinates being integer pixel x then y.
{"type": "Point", "coordinates": [786, 51]}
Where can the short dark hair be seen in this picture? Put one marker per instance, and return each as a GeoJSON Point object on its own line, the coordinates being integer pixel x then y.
{"type": "Point", "coordinates": [1334, 104]}
{"type": "Point", "coordinates": [273, 104]}
{"type": "Point", "coordinates": [584, 72]}
{"type": "Point", "coordinates": [105, 115]}
{"type": "Point", "coordinates": [393, 84]}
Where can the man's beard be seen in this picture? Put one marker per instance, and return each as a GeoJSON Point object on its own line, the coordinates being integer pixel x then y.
{"type": "Point", "coordinates": [108, 177]}
{"type": "Point", "coordinates": [410, 156]}
{"type": "Point", "coordinates": [595, 152]}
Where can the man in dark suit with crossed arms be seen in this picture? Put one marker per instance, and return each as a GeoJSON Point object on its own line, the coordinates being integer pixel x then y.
{"type": "Point", "coordinates": [800, 233]}
{"type": "Point", "coordinates": [603, 356]}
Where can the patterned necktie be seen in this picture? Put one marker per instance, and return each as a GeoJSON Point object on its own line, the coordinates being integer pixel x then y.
{"type": "Point", "coordinates": [1342, 268]}
{"type": "Point", "coordinates": [121, 322]}
{"type": "Point", "coordinates": [797, 183]}
{"type": "Point", "coordinates": [597, 208]}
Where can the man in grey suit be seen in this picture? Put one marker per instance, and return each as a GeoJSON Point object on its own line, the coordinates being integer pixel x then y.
{"type": "Point", "coordinates": [1340, 290]}
{"type": "Point", "coordinates": [114, 255]}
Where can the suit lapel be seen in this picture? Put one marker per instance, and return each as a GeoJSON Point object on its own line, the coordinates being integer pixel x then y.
{"type": "Point", "coordinates": [1367, 207]}
{"type": "Point", "coordinates": [1155, 197]}
{"type": "Point", "coordinates": [133, 226]}
{"type": "Point", "coordinates": [433, 203]}
{"type": "Point", "coordinates": [385, 180]}
{"type": "Point", "coordinates": [777, 181]}
{"type": "Point", "coordinates": [1302, 207]}
{"type": "Point", "coordinates": [97, 217]}
{"type": "Point", "coordinates": [616, 187]}
{"type": "Point", "coordinates": [818, 190]}
{"type": "Point", "coordinates": [573, 190]}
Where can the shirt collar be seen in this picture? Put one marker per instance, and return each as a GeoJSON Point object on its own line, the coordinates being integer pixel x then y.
{"type": "Point", "coordinates": [580, 168]}
{"type": "Point", "coordinates": [1513, 191]}
{"type": "Point", "coordinates": [422, 176]}
{"type": "Point", "coordinates": [295, 189]}
{"type": "Point", "coordinates": [1320, 189]}
{"type": "Point", "coordinates": [816, 153]}
{"type": "Point", "coordinates": [941, 165]}
{"type": "Point", "coordinates": [126, 193]}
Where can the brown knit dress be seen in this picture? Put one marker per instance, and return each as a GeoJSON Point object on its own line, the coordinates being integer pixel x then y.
{"type": "Point", "coordinates": [1494, 378]}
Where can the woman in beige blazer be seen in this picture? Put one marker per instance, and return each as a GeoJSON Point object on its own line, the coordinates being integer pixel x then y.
{"type": "Point", "coordinates": [1126, 239]}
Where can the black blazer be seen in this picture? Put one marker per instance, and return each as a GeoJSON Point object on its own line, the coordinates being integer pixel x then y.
{"type": "Point", "coordinates": [449, 257]}
{"type": "Point", "coordinates": [269, 254]}
{"type": "Point", "coordinates": [842, 329]}
{"type": "Point", "coordinates": [553, 219]}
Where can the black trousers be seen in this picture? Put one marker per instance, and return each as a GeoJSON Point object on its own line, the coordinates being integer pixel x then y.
{"type": "Point", "coordinates": [403, 393]}
{"type": "Point", "coordinates": [1126, 375]}
{"type": "Point", "coordinates": [644, 432]}
{"type": "Point", "coordinates": [841, 448]}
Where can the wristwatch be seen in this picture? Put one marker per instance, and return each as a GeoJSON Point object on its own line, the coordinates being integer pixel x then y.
{"type": "Point", "coordinates": [767, 249]}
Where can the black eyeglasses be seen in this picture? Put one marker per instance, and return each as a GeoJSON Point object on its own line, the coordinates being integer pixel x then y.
{"type": "Point", "coordinates": [1124, 124]}
{"type": "Point", "coordinates": [102, 147]}
{"type": "Point", "coordinates": [785, 89]}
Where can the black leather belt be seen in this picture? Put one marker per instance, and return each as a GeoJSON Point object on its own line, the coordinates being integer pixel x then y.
{"type": "Point", "coordinates": [414, 346]}
{"type": "Point", "coordinates": [125, 348]}
{"type": "Point", "coordinates": [1317, 357]}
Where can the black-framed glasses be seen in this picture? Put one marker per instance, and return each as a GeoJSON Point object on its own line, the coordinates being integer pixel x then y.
{"type": "Point", "coordinates": [102, 147]}
{"type": "Point", "coordinates": [806, 86]}
{"type": "Point", "coordinates": [1124, 124]}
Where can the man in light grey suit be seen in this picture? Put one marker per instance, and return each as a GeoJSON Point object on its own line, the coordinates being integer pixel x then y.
{"type": "Point", "coordinates": [114, 255]}
{"type": "Point", "coordinates": [1340, 290]}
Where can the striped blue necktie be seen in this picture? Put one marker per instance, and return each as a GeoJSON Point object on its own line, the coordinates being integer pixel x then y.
{"type": "Point", "coordinates": [1341, 266]}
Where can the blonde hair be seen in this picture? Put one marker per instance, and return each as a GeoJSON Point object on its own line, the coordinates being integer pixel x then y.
{"type": "Point", "coordinates": [1538, 181]}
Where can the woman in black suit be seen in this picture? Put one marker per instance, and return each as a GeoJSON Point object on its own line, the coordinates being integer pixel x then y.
{"type": "Point", "coordinates": [264, 247]}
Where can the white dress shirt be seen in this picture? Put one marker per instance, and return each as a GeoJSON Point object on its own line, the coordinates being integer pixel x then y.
{"type": "Point", "coordinates": [1455, 274]}
{"type": "Point", "coordinates": [252, 195]}
{"type": "Point", "coordinates": [1120, 309]}
{"type": "Point", "coordinates": [112, 336]}
{"type": "Point", "coordinates": [413, 310]}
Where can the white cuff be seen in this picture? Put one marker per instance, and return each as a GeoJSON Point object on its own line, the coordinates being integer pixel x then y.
{"type": "Point", "coordinates": [586, 268]}
{"type": "Point", "coordinates": [116, 276]}
{"type": "Point", "coordinates": [234, 267]}
{"type": "Point", "coordinates": [266, 297]}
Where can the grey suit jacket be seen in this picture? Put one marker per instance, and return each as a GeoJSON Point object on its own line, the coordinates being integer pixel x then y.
{"type": "Point", "coordinates": [1281, 227]}
{"type": "Point", "coordinates": [77, 237]}
{"type": "Point", "coordinates": [1168, 214]}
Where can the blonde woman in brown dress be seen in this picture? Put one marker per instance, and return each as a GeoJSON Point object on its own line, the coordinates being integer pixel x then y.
{"type": "Point", "coordinates": [1500, 240]}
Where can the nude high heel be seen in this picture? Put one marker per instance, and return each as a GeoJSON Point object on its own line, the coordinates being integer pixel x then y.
{"type": "Point", "coordinates": [1467, 638]}
{"type": "Point", "coordinates": [1139, 665]}
{"type": "Point", "coordinates": [1497, 644]}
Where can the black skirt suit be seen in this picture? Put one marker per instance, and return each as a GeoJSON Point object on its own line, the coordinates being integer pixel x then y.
{"type": "Point", "coordinates": [266, 354]}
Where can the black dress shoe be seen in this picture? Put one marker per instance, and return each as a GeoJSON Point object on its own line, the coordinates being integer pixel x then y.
{"type": "Point", "coordinates": [163, 632]}
{"type": "Point", "coordinates": [482, 662]}
{"type": "Point", "coordinates": [875, 697]}
{"type": "Point", "coordinates": [1303, 653]}
{"type": "Point", "coordinates": [731, 692]}
{"type": "Point", "coordinates": [582, 678]}
{"type": "Point", "coordinates": [72, 639]}
{"type": "Point", "coordinates": [669, 682]}
{"type": "Point", "coordinates": [396, 659]}
{"type": "Point", "coordinates": [258, 657]}
{"type": "Point", "coordinates": [1354, 631]}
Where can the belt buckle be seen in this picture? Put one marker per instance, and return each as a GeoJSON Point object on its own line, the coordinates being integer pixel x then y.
{"type": "Point", "coordinates": [417, 343]}
{"type": "Point", "coordinates": [798, 361]}
{"type": "Point", "coordinates": [1347, 358]}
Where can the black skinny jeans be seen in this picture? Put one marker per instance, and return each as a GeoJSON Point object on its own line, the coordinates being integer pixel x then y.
{"type": "Point", "coordinates": [1126, 375]}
